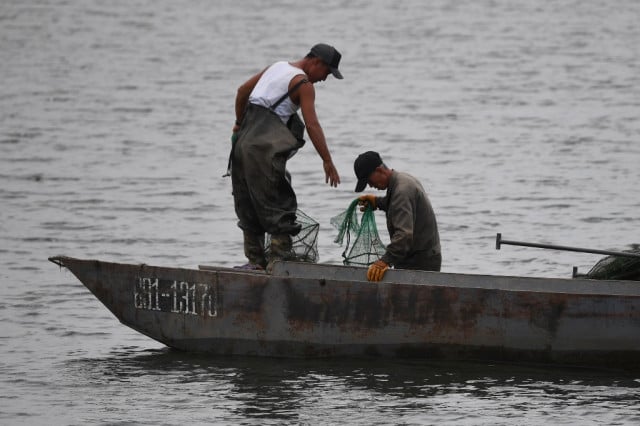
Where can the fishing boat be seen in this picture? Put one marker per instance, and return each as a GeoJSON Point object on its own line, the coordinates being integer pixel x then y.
{"type": "Point", "coordinates": [321, 310]}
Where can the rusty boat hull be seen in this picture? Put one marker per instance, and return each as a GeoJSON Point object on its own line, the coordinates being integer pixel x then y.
{"type": "Point", "coordinates": [315, 310]}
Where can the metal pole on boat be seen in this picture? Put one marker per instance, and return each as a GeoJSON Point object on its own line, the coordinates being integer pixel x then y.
{"type": "Point", "coordinates": [500, 241]}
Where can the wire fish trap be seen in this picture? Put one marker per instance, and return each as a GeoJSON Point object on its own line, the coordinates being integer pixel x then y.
{"type": "Point", "coordinates": [304, 245]}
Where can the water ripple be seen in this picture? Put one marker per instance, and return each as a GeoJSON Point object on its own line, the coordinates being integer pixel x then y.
{"type": "Point", "coordinates": [518, 117]}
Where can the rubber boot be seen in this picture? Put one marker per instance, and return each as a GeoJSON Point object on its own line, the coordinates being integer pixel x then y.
{"type": "Point", "coordinates": [254, 249]}
{"type": "Point", "coordinates": [281, 249]}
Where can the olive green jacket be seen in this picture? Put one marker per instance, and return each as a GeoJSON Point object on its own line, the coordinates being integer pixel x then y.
{"type": "Point", "coordinates": [411, 223]}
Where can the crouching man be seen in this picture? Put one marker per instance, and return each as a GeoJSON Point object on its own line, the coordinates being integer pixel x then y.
{"type": "Point", "coordinates": [411, 222]}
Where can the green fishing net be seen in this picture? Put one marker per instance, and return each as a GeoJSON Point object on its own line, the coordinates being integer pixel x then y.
{"type": "Point", "coordinates": [363, 242]}
{"type": "Point", "coordinates": [617, 267]}
{"type": "Point", "coordinates": [304, 246]}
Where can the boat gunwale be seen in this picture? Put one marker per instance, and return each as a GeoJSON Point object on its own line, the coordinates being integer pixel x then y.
{"type": "Point", "coordinates": [354, 274]}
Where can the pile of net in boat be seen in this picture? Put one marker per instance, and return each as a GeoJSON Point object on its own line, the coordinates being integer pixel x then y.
{"type": "Point", "coordinates": [363, 242]}
{"type": "Point", "coordinates": [617, 267]}
{"type": "Point", "coordinates": [305, 244]}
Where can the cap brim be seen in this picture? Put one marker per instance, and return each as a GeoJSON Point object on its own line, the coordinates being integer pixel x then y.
{"type": "Point", "coordinates": [361, 185]}
{"type": "Point", "coordinates": [336, 73]}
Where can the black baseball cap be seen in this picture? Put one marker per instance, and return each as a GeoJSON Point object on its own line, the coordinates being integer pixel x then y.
{"type": "Point", "coordinates": [330, 56]}
{"type": "Point", "coordinates": [364, 165]}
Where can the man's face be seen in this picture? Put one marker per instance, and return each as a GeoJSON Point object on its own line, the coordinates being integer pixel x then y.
{"type": "Point", "coordinates": [377, 179]}
{"type": "Point", "coordinates": [319, 70]}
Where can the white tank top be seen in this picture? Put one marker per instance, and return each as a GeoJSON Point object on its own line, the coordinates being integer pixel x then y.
{"type": "Point", "coordinates": [273, 84]}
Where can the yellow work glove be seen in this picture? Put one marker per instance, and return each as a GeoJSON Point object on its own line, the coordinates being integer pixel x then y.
{"type": "Point", "coordinates": [370, 199]}
{"type": "Point", "coordinates": [376, 270]}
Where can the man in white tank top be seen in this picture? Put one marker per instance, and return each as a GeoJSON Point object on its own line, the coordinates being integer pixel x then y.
{"type": "Point", "coordinates": [263, 197]}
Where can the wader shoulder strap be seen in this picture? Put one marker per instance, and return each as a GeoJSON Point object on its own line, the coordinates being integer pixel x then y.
{"type": "Point", "coordinates": [293, 89]}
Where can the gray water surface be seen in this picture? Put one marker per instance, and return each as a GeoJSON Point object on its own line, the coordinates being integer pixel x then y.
{"type": "Point", "coordinates": [115, 117]}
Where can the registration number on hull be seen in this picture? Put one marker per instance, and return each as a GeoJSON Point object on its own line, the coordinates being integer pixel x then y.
{"type": "Point", "coordinates": [178, 297]}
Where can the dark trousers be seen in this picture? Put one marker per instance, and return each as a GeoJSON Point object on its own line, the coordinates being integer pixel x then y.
{"type": "Point", "coordinates": [263, 197]}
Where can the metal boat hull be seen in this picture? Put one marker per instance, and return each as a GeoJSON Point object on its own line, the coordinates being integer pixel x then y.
{"type": "Point", "coordinates": [307, 310]}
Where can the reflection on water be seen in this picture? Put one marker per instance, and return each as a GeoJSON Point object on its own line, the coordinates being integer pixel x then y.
{"type": "Point", "coordinates": [326, 390]}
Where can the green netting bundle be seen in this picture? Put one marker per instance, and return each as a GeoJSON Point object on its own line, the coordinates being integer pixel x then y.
{"type": "Point", "coordinates": [617, 267]}
{"type": "Point", "coordinates": [366, 246]}
{"type": "Point", "coordinates": [304, 245]}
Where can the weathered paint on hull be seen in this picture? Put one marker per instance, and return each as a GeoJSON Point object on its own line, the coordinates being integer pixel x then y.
{"type": "Point", "coordinates": [304, 310]}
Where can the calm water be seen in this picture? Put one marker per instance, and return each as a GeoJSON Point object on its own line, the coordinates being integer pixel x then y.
{"type": "Point", "coordinates": [519, 117]}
